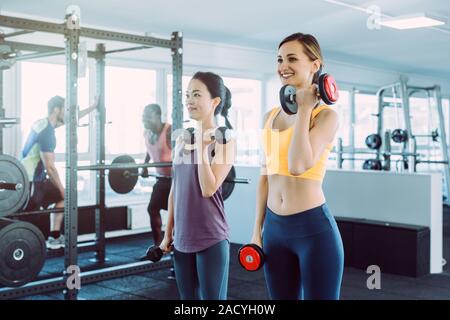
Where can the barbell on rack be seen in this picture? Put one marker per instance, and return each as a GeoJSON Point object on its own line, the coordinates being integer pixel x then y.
{"type": "Point", "coordinates": [123, 175]}
{"type": "Point", "coordinates": [375, 164]}
{"type": "Point", "coordinates": [382, 153]}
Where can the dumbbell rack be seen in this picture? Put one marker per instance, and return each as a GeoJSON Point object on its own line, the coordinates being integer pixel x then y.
{"type": "Point", "coordinates": [71, 30]}
{"type": "Point", "coordinates": [405, 91]}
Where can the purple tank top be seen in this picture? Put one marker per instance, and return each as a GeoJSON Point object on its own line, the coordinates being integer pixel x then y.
{"type": "Point", "coordinates": [199, 222]}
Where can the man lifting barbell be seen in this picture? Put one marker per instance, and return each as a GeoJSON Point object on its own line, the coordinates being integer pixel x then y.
{"type": "Point", "coordinates": [38, 158]}
{"type": "Point", "coordinates": [157, 137]}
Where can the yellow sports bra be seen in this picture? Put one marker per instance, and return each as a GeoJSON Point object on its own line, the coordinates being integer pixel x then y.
{"type": "Point", "coordinates": [276, 145]}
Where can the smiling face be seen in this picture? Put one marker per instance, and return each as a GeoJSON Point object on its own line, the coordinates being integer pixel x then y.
{"type": "Point", "coordinates": [199, 103]}
{"type": "Point", "coordinates": [294, 66]}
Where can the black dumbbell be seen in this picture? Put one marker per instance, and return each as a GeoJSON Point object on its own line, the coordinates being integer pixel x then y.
{"type": "Point", "coordinates": [154, 253]}
{"type": "Point", "coordinates": [222, 135]}
{"type": "Point", "coordinates": [372, 164]}
{"type": "Point", "coordinates": [373, 141]}
{"type": "Point", "coordinates": [328, 92]}
{"type": "Point", "coordinates": [399, 135]}
{"type": "Point", "coordinates": [251, 257]}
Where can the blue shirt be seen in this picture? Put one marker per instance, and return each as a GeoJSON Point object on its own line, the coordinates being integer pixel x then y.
{"type": "Point", "coordinates": [42, 138]}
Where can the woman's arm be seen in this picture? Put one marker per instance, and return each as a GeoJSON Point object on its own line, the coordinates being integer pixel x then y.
{"type": "Point", "coordinates": [168, 235]}
{"type": "Point", "coordinates": [261, 203]}
{"type": "Point", "coordinates": [307, 145]}
{"type": "Point", "coordinates": [261, 197]}
{"type": "Point", "coordinates": [212, 175]}
{"type": "Point", "coordinates": [166, 243]}
{"type": "Point", "coordinates": [170, 219]}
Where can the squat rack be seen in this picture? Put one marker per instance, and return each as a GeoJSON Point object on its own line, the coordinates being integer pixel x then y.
{"type": "Point", "coordinates": [404, 91]}
{"type": "Point", "coordinates": [72, 31]}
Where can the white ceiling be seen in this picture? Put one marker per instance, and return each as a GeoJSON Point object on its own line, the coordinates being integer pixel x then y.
{"type": "Point", "coordinates": [341, 30]}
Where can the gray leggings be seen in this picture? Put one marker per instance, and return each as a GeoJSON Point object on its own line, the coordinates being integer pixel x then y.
{"type": "Point", "coordinates": [203, 275]}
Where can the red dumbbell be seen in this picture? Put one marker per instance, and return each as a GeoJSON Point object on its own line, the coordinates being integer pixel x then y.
{"type": "Point", "coordinates": [251, 257]}
{"type": "Point", "coordinates": [328, 92]}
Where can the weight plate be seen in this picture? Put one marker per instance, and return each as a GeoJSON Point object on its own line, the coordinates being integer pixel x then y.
{"type": "Point", "coordinates": [22, 252]}
{"type": "Point", "coordinates": [328, 89]}
{"type": "Point", "coordinates": [228, 186]}
{"type": "Point", "coordinates": [372, 164]}
{"type": "Point", "coordinates": [12, 171]}
{"type": "Point", "coordinates": [119, 180]}
{"type": "Point", "coordinates": [287, 99]}
{"type": "Point", "coordinates": [399, 135]}
{"type": "Point", "coordinates": [373, 141]}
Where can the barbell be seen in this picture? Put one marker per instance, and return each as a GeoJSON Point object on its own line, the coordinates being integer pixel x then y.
{"type": "Point", "coordinates": [384, 153]}
{"type": "Point", "coordinates": [123, 175]}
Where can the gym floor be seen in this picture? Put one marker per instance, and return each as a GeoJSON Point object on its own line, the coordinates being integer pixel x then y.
{"type": "Point", "coordinates": [243, 285]}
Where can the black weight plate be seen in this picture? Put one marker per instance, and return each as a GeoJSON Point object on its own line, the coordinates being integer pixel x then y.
{"type": "Point", "coordinates": [372, 164]}
{"type": "Point", "coordinates": [118, 180]}
{"type": "Point", "coordinates": [222, 135]}
{"type": "Point", "coordinates": [22, 252]}
{"type": "Point", "coordinates": [228, 186]}
{"type": "Point", "coordinates": [12, 171]}
{"type": "Point", "coordinates": [287, 99]}
{"type": "Point", "coordinates": [373, 141]}
{"type": "Point", "coordinates": [399, 135]}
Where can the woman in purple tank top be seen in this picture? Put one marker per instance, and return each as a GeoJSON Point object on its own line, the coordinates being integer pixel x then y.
{"type": "Point", "coordinates": [197, 227]}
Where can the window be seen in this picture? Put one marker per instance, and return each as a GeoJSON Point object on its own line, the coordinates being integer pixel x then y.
{"type": "Point", "coordinates": [127, 92]}
{"type": "Point", "coordinates": [40, 82]}
{"type": "Point", "coordinates": [245, 117]}
{"type": "Point", "coordinates": [167, 112]}
{"type": "Point", "coordinates": [445, 107]}
{"type": "Point", "coordinates": [342, 107]}
{"type": "Point", "coordinates": [366, 107]}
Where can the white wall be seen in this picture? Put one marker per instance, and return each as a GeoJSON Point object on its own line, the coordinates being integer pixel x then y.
{"type": "Point", "coordinates": [404, 198]}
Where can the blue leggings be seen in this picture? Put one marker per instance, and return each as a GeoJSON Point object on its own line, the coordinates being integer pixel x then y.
{"type": "Point", "coordinates": [304, 255]}
{"type": "Point", "coordinates": [203, 275]}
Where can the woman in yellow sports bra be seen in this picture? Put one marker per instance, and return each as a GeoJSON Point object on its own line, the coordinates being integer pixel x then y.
{"type": "Point", "coordinates": [304, 256]}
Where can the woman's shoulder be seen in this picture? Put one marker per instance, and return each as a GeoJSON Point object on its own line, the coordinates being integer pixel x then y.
{"type": "Point", "coordinates": [324, 114]}
{"type": "Point", "coordinates": [269, 113]}
{"type": "Point", "coordinates": [324, 110]}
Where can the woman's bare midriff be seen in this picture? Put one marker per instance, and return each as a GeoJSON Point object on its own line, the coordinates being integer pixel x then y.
{"type": "Point", "coordinates": [290, 195]}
